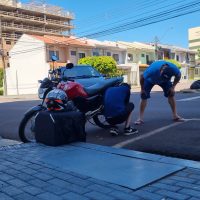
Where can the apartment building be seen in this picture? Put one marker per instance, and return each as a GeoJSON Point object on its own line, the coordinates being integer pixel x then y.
{"type": "Point", "coordinates": [34, 17]}
{"type": "Point", "coordinates": [194, 38]}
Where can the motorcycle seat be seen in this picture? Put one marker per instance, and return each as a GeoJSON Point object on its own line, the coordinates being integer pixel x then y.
{"type": "Point", "coordinates": [101, 86]}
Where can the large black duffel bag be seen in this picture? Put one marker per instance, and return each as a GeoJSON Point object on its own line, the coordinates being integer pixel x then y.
{"type": "Point", "coordinates": [59, 128]}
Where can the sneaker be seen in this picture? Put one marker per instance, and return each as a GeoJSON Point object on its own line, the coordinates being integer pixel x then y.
{"type": "Point", "coordinates": [130, 131]}
{"type": "Point", "coordinates": [114, 131]}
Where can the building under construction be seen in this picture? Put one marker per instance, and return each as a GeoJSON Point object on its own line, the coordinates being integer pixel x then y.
{"type": "Point", "coordinates": [33, 17]}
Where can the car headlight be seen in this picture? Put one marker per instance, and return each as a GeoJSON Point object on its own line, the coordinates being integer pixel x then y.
{"type": "Point", "coordinates": [41, 92]}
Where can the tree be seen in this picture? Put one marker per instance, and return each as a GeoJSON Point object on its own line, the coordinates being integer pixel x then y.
{"type": "Point", "coordinates": [174, 62]}
{"type": "Point", "coordinates": [1, 81]}
{"type": "Point", "coordinates": [198, 54]}
{"type": "Point", "coordinates": [104, 64]}
{"type": "Point", "coordinates": [1, 78]}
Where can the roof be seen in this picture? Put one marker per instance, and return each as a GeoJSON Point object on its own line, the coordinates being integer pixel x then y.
{"type": "Point", "coordinates": [106, 44]}
{"type": "Point", "coordinates": [175, 48]}
{"type": "Point", "coordinates": [137, 45]}
{"type": "Point", "coordinates": [62, 40]}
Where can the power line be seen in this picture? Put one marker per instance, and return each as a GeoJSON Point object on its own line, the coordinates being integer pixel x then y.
{"type": "Point", "coordinates": [148, 20]}
{"type": "Point", "coordinates": [161, 16]}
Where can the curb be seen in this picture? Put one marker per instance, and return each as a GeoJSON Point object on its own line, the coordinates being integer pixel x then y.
{"type": "Point", "coordinates": [190, 90]}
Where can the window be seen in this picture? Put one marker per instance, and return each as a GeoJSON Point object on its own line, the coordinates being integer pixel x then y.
{"type": "Point", "coordinates": [108, 53]}
{"type": "Point", "coordinates": [81, 55]}
{"type": "Point", "coordinates": [53, 53]}
{"type": "Point", "coordinates": [177, 57]}
{"type": "Point", "coordinates": [8, 42]}
{"type": "Point", "coordinates": [142, 55]}
{"type": "Point", "coordinates": [73, 53]}
{"type": "Point", "coordinates": [95, 53]}
{"type": "Point", "coordinates": [172, 56]}
{"type": "Point", "coordinates": [196, 71]}
{"type": "Point", "coordinates": [116, 57]}
{"type": "Point", "coordinates": [130, 57]}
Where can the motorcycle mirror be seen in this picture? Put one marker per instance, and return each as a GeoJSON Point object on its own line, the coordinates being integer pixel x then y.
{"type": "Point", "coordinates": [54, 58]}
{"type": "Point", "coordinates": [69, 65]}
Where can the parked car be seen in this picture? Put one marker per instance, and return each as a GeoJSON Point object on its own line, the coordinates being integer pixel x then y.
{"type": "Point", "coordinates": [86, 75]}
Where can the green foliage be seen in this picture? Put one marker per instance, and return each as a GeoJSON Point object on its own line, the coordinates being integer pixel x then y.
{"type": "Point", "coordinates": [104, 64]}
{"type": "Point", "coordinates": [1, 91]}
{"type": "Point", "coordinates": [1, 78]}
{"type": "Point", "coordinates": [174, 62]}
{"type": "Point", "coordinates": [198, 53]}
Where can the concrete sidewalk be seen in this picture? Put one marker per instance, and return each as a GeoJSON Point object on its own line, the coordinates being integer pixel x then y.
{"type": "Point", "coordinates": [182, 86]}
{"type": "Point", "coordinates": [25, 175]}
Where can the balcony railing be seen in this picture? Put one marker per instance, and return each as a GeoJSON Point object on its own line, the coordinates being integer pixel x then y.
{"type": "Point", "coordinates": [34, 18]}
{"type": "Point", "coordinates": [27, 28]}
{"type": "Point", "coordinates": [38, 7]}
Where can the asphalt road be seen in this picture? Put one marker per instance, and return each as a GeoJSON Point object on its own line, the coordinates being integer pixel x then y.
{"type": "Point", "coordinates": [158, 135]}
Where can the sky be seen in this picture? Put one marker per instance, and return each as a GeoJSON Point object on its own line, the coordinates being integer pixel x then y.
{"type": "Point", "coordinates": [94, 16]}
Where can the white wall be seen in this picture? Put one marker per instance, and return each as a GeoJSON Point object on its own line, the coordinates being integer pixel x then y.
{"type": "Point", "coordinates": [27, 66]}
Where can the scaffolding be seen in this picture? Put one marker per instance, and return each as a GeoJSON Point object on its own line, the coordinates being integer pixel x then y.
{"type": "Point", "coordinates": [39, 6]}
{"type": "Point", "coordinates": [34, 17]}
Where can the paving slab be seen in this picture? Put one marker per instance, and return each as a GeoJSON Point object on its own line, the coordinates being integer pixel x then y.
{"type": "Point", "coordinates": [25, 175]}
{"type": "Point", "coordinates": [118, 169]}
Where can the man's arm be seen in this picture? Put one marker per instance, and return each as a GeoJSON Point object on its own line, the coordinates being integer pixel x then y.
{"type": "Point", "coordinates": [176, 80]}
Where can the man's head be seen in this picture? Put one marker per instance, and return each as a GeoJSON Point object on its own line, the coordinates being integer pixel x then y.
{"type": "Point", "coordinates": [126, 85]}
{"type": "Point", "coordinates": [166, 72]}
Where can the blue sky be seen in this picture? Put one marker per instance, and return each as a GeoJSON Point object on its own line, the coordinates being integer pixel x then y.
{"type": "Point", "coordinates": [94, 16]}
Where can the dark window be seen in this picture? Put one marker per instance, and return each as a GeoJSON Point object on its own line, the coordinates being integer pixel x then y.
{"type": "Point", "coordinates": [73, 53]}
{"type": "Point", "coordinates": [95, 53]}
{"type": "Point", "coordinates": [108, 53]}
{"type": "Point", "coordinates": [8, 42]}
{"type": "Point", "coordinates": [130, 57]}
{"type": "Point", "coordinates": [54, 53]}
{"type": "Point", "coordinates": [116, 57]}
{"type": "Point", "coordinates": [177, 57]}
{"type": "Point", "coordinates": [196, 71]}
{"type": "Point", "coordinates": [81, 55]}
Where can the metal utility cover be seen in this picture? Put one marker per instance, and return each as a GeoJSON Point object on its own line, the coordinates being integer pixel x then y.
{"type": "Point", "coordinates": [118, 169]}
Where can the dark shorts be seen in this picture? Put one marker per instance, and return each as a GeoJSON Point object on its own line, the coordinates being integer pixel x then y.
{"type": "Point", "coordinates": [148, 86]}
{"type": "Point", "coordinates": [121, 118]}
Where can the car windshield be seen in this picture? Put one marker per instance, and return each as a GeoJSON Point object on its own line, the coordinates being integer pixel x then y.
{"type": "Point", "coordinates": [80, 72]}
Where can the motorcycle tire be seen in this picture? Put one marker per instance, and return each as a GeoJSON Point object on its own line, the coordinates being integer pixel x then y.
{"type": "Point", "coordinates": [26, 133]}
{"type": "Point", "coordinates": [100, 121]}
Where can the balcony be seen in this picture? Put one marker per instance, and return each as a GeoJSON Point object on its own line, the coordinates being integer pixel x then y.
{"type": "Point", "coordinates": [33, 19]}
{"type": "Point", "coordinates": [29, 29]}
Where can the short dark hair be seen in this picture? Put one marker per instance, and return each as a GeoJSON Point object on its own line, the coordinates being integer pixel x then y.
{"type": "Point", "coordinates": [126, 85]}
{"type": "Point", "coordinates": [69, 65]}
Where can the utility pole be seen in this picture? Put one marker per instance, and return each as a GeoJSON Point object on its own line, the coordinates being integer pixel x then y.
{"type": "Point", "coordinates": [3, 55]}
{"type": "Point", "coordinates": [156, 40]}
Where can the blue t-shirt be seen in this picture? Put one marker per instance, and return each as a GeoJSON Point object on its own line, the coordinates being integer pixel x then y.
{"type": "Point", "coordinates": [115, 101]}
{"type": "Point", "coordinates": [152, 73]}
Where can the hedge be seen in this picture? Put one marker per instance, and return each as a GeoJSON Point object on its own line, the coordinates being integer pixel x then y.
{"type": "Point", "coordinates": [1, 77]}
{"type": "Point", "coordinates": [104, 64]}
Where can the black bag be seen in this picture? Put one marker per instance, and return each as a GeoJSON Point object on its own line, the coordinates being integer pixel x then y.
{"type": "Point", "coordinates": [59, 128]}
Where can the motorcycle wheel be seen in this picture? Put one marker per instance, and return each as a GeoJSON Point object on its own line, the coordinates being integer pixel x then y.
{"type": "Point", "coordinates": [26, 128]}
{"type": "Point", "coordinates": [100, 121]}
